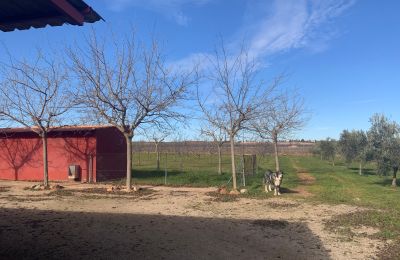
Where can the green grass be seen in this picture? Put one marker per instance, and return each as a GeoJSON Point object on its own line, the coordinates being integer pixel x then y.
{"type": "Point", "coordinates": [339, 184]}
{"type": "Point", "coordinates": [202, 171]}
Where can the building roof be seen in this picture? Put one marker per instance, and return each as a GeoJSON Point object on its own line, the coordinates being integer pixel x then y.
{"type": "Point", "coordinates": [24, 14]}
{"type": "Point", "coordinates": [61, 129]}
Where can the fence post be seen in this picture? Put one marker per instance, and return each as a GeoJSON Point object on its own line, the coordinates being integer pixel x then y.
{"type": "Point", "coordinates": [166, 171]}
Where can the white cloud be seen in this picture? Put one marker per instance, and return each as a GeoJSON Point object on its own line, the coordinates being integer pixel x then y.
{"type": "Point", "coordinates": [273, 27]}
{"type": "Point", "coordinates": [171, 9]}
{"type": "Point", "coordinates": [290, 24]}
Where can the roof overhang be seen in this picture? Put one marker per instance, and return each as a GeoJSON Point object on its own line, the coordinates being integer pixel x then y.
{"type": "Point", "coordinates": [24, 14]}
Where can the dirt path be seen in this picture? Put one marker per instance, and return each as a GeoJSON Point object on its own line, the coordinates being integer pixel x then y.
{"type": "Point", "coordinates": [305, 179]}
{"type": "Point", "coordinates": [168, 223]}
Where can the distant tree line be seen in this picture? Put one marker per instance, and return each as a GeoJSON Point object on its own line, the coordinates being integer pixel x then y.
{"type": "Point", "coordinates": [379, 144]}
{"type": "Point", "coordinates": [209, 147]}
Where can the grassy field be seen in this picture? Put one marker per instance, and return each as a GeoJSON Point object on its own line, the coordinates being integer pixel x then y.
{"type": "Point", "coordinates": [202, 171]}
{"type": "Point", "coordinates": [333, 185]}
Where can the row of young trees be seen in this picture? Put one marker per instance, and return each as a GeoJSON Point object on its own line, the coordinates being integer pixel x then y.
{"type": "Point", "coordinates": [381, 144]}
{"type": "Point", "coordinates": [129, 85]}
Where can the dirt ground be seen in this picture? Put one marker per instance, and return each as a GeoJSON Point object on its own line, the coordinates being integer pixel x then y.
{"type": "Point", "coordinates": [168, 223]}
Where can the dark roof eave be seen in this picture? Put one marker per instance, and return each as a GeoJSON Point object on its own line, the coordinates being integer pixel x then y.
{"type": "Point", "coordinates": [53, 13]}
{"type": "Point", "coordinates": [54, 130]}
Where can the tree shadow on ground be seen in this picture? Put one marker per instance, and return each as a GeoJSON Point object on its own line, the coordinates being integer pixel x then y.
{"type": "Point", "coordinates": [384, 181]}
{"type": "Point", "coordinates": [366, 171]}
{"type": "Point", "coordinates": [37, 234]}
{"type": "Point", "coordinates": [287, 190]}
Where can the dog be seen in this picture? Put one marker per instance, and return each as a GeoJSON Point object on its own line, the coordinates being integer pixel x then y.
{"type": "Point", "coordinates": [273, 180]}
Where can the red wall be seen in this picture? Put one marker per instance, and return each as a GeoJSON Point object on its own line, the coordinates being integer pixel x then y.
{"type": "Point", "coordinates": [110, 154]}
{"type": "Point", "coordinates": [21, 156]}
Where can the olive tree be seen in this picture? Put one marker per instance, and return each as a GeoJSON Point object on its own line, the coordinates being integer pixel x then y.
{"type": "Point", "coordinates": [127, 84]}
{"type": "Point", "coordinates": [353, 146]}
{"type": "Point", "coordinates": [33, 94]}
{"type": "Point", "coordinates": [328, 149]}
{"type": "Point", "coordinates": [384, 144]}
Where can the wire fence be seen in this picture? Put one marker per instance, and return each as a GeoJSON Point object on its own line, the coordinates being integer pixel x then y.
{"type": "Point", "coordinates": [202, 169]}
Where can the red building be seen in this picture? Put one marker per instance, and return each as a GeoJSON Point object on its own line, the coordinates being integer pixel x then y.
{"type": "Point", "coordinates": [97, 152]}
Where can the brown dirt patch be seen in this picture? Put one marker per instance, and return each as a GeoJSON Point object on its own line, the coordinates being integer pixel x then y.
{"type": "Point", "coordinates": [305, 179]}
{"type": "Point", "coordinates": [178, 223]}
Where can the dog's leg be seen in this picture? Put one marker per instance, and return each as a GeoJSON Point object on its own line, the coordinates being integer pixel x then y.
{"type": "Point", "coordinates": [275, 191]}
{"type": "Point", "coordinates": [279, 190]}
{"type": "Point", "coordinates": [269, 187]}
{"type": "Point", "coordinates": [266, 187]}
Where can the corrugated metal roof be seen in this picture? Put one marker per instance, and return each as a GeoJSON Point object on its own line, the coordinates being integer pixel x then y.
{"type": "Point", "coordinates": [24, 14]}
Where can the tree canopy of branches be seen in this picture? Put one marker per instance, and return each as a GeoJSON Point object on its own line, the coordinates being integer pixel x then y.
{"type": "Point", "coordinates": [127, 84]}
{"type": "Point", "coordinates": [279, 118]}
{"type": "Point", "coordinates": [232, 102]}
{"type": "Point", "coordinates": [353, 146]}
{"type": "Point", "coordinates": [384, 144]}
{"type": "Point", "coordinates": [33, 95]}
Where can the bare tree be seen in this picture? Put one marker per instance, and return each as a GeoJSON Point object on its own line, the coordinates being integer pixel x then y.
{"type": "Point", "coordinates": [157, 136]}
{"type": "Point", "coordinates": [234, 97]}
{"type": "Point", "coordinates": [33, 95]}
{"type": "Point", "coordinates": [218, 137]}
{"type": "Point", "coordinates": [279, 118]}
{"type": "Point", "coordinates": [128, 85]}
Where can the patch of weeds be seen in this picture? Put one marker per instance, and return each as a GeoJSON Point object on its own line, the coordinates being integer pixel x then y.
{"type": "Point", "coordinates": [95, 193]}
{"type": "Point", "coordinates": [216, 197]}
{"type": "Point", "coordinates": [31, 189]}
{"type": "Point", "coordinates": [179, 193]}
{"type": "Point", "coordinates": [26, 199]}
{"type": "Point", "coordinates": [271, 223]}
{"type": "Point", "coordinates": [4, 189]}
{"type": "Point", "coordinates": [283, 205]}
{"type": "Point", "coordinates": [388, 222]}
{"type": "Point", "coordinates": [390, 252]}
{"type": "Point", "coordinates": [61, 193]}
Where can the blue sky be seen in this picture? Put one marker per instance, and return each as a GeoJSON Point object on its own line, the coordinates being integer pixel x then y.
{"type": "Point", "coordinates": [343, 55]}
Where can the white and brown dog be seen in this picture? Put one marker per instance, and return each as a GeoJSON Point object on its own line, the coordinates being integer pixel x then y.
{"type": "Point", "coordinates": [273, 181]}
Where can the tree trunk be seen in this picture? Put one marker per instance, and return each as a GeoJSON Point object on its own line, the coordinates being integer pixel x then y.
{"type": "Point", "coordinates": [394, 180]}
{"type": "Point", "coordinates": [277, 166]}
{"type": "Point", "coordinates": [219, 161]}
{"type": "Point", "coordinates": [15, 174]}
{"type": "Point", "coordinates": [128, 139]}
{"type": "Point", "coordinates": [232, 141]}
{"type": "Point", "coordinates": [45, 161]}
{"type": "Point", "coordinates": [360, 169]}
{"type": "Point", "coordinates": [158, 157]}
